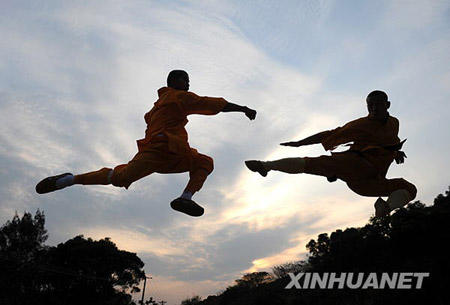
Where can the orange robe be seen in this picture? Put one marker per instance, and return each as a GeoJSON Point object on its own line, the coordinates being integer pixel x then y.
{"type": "Point", "coordinates": [169, 116]}
{"type": "Point", "coordinates": [364, 166]}
{"type": "Point", "coordinates": [369, 138]}
{"type": "Point", "coordinates": [165, 148]}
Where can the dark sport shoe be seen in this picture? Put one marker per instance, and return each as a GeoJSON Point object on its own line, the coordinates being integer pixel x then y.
{"type": "Point", "coordinates": [187, 206]}
{"type": "Point", "coordinates": [256, 166]}
{"type": "Point", "coordinates": [49, 184]}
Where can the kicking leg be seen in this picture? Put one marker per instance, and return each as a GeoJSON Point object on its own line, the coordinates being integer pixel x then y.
{"type": "Point", "coordinates": [53, 183]}
{"type": "Point", "coordinates": [143, 164]}
{"type": "Point", "coordinates": [288, 165]}
{"type": "Point", "coordinates": [100, 177]}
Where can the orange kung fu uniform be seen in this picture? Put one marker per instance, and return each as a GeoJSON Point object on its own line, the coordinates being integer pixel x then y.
{"type": "Point", "coordinates": [165, 148]}
{"type": "Point", "coordinates": [364, 166]}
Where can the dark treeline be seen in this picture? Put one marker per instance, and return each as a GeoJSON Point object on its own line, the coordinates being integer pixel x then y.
{"type": "Point", "coordinates": [413, 239]}
{"type": "Point", "coordinates": [84, 271]}
{"type": "Point", "coordinates": [79, 271]}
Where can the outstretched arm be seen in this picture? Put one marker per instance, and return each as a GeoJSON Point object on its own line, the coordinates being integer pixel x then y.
{"type": "Point", "coordinates": [314, 139]}
{"type": "Point", "coordinates": [230, 107]}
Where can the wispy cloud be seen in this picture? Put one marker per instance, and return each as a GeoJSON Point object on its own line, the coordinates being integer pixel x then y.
{"type": "Point", "coordinates": [77, 78]}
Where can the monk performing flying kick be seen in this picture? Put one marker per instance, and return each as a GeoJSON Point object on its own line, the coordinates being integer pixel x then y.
{"type": "Point", "coordinates": [165, 148]}
{"type": "Point", "coordinates": [364, 166]}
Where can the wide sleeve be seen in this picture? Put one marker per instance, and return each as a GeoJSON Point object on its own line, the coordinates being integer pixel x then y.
{"type": "Point", "coordinates": [191, 103]}
{"type": "Point", "coordinates": [342, 135]}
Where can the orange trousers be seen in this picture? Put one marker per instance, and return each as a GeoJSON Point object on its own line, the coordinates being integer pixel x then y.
{"type": "Point", "coordinates": [360, 176]}
{"type": "Point", "coordinates": [156, 158]}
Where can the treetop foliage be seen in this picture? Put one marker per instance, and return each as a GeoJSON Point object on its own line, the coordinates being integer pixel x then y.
{"type": "Point", "coordinates": [412, 239]}
{"type": "Point", "coordinates": [79, 271]}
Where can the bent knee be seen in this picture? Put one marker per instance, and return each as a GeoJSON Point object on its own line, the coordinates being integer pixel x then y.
{"type": "Point", "coordinates": [206, 163]}
{"type": "Point", "coordinates": [411, 188]}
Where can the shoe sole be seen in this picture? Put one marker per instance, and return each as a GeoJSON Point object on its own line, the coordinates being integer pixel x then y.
{"type": "Point", "coordinates": [187, 207]}
{"type": "Point", "coordinates": [48, 184]}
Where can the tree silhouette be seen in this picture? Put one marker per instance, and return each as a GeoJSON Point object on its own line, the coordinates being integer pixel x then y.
{"type": "Point", "coordinates": [21, 244]}
{"type": "Point", "coordinates": [283, 270]}
{"type": "Point", "coordinates": [192, 301]}
{"type": "Point", "coordinates": [412, 239]}
{"type": "Point", "coordinates": [79, 271]}
{"type": "Point", "coordinates": [253, 280]}
{"type": "Point", "coordinates": [99, 271]}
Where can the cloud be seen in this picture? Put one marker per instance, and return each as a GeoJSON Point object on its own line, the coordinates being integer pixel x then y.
{"type": "Point", "coordinates": [399, 14]}
{"type": "Point", "coordinates": [77, 78]}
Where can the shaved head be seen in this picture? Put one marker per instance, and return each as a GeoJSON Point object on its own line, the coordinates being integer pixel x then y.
{"type": "Point", "coordinates": [175, 75]}
{"type": "Point", "coordinates": [378, 105]}
{"type": "Point", "coordinates": [378, 94]}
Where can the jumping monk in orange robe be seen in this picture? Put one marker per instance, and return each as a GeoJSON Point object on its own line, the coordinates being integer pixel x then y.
{"type": "Point", "coordinates": [165, 148]}
{"type": "Point", "coordinates": [364, 166]}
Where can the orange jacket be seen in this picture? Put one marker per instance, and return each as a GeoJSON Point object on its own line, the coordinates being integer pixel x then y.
{"type": "Point", "coordinates": [166, 120]}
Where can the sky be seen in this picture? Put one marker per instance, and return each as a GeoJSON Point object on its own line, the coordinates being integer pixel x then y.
{"type": "Point", "coordinates": [77, 77]}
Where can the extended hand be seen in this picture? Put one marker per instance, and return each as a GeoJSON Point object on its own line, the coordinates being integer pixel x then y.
{"type": "Point", "coordinates": [292, 144]}
{"type": "Point", "coordinates": [400, 157]}
{"type": "Point", "coordinates": [250, 113]}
